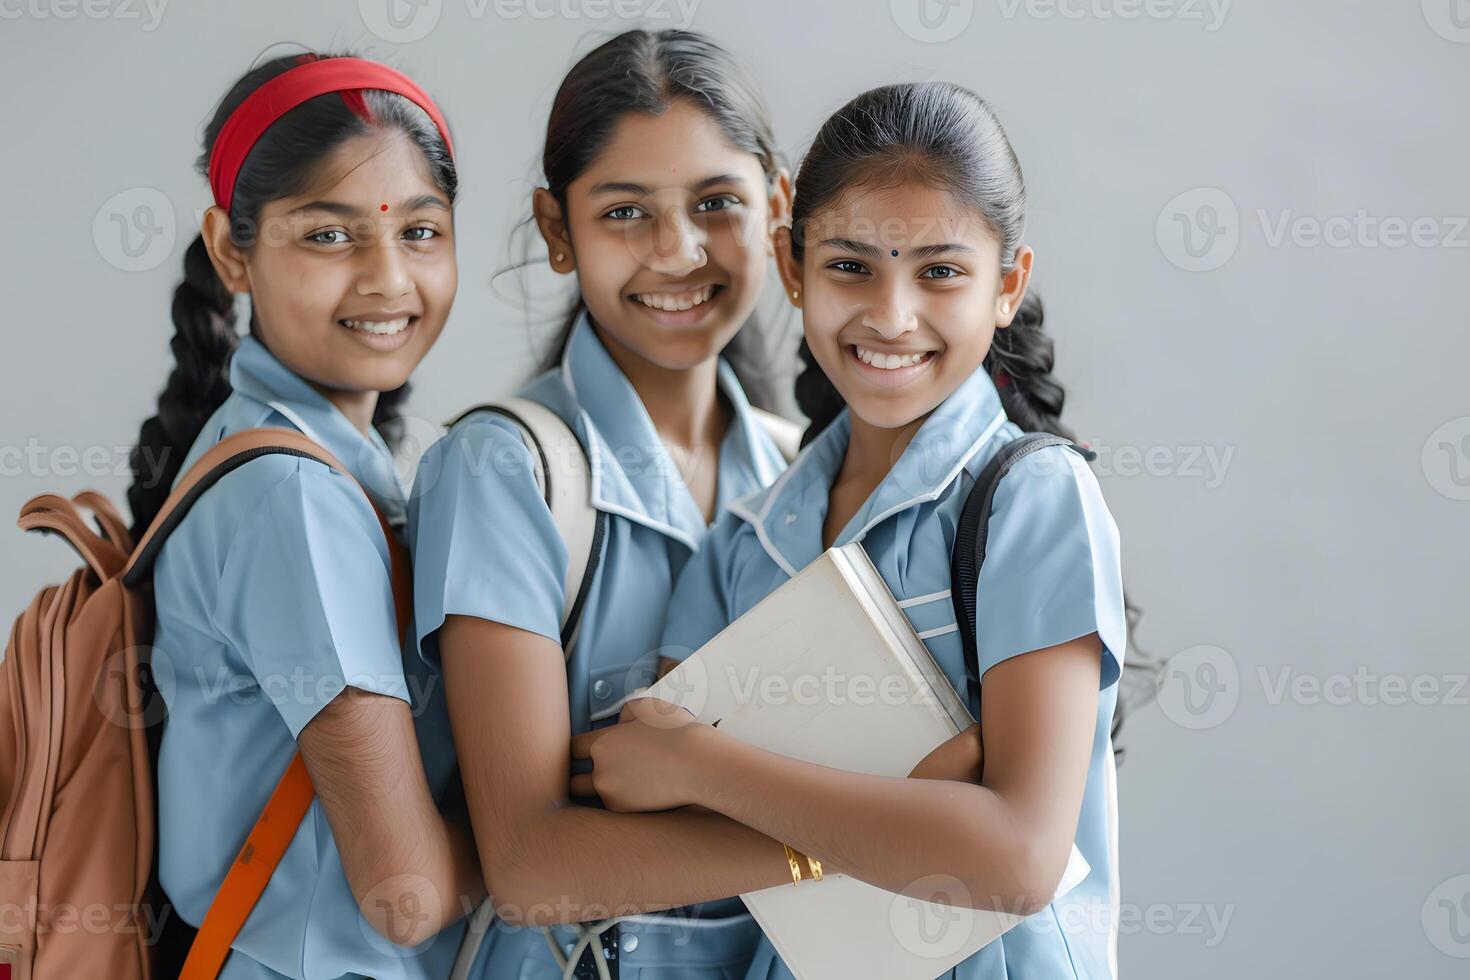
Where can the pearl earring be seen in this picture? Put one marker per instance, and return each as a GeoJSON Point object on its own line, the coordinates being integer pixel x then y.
{"type": "Point", "coordinates": [796, 294]}
{"type": "Point", "coordinates": [1005, 308]}
{"type": "Point", "coordinates": [560, 256]}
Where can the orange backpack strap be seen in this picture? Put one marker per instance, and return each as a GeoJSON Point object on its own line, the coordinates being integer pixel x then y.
{"type": "Point", "coordinates": [267, 841]}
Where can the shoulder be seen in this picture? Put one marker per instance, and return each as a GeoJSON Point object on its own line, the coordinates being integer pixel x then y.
{"type": "Point", "coordinates": [1053, 487]}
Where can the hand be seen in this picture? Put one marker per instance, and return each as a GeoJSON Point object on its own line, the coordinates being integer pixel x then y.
{"type": "Point", "coordinates": [961, 758]}
{"type": "Point", "coordinates": [645, 762]}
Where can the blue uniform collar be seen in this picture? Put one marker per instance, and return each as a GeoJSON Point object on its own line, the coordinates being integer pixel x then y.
{"type": "Point", "coordinates": [257, 374]}
{"type": "Point", "coordinates": [788, 517]}
{"type": "Point", "coordinates": [632, 473]}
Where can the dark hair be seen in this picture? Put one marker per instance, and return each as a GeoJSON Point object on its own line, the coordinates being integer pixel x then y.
{"type": "Point", "coordinates": [647, 72]}
{"type": "Point", "coordinates": [283, 162]}
{"type": "Point", "coordinates": [945, 136]}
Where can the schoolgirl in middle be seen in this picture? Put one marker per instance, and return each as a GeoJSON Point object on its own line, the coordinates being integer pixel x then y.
{"type": "Point", "coordinates": [663, 189]}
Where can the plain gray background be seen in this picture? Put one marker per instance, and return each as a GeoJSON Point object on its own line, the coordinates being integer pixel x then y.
{"type": "Point", "coordinates": [1250, 221]}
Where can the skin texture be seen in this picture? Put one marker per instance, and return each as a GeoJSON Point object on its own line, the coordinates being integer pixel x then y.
{"type": "Point", "coordinates": [331, 253]}
{"type": "Point", "coordinates": [312, 266]}
{"type": "Point", "coordinates": [1004, 841]}
{"type": "Point", "coordinates": [547, 859]}
{"type": "Point", "coordinates": [699, 212]}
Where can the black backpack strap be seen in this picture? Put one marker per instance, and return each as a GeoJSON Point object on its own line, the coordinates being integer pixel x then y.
{"type": "Point", "coordinates": [974, 528]}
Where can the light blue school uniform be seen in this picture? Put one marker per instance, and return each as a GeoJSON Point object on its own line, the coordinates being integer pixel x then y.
{"type": "Point", "coordinates": [1051, 574]}
{"type": "Point", "coordinates": [272, 596]}
{"type": "Point", "coordinates": [485, 545]}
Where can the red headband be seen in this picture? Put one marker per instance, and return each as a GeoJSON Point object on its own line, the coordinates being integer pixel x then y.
{"type": "Point", "coordinates": [290, 89]}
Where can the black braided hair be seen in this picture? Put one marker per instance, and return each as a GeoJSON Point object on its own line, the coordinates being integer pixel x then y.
{"type": "Point", "coordinates": [282, 163]}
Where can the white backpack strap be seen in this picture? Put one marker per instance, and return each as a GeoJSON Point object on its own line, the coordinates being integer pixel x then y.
{"type": "Point", "coordinates": [565, 479]}
{"type": "Point", "coordinates": [785, 433]}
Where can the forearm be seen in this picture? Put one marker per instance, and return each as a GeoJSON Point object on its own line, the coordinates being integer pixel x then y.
{"type": "Point", "coordinates": [574, 863]}
{"type": "Point", "coordinates": [913, 836]}
{"type": "Point", "coordinates": [421, 882]}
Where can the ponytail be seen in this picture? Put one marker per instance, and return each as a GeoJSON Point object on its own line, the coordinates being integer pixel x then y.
{"type": "Point", "coordinates": [204, 338]}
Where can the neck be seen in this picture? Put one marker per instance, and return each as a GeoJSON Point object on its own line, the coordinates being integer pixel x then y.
{"type": "Point", "coordinates": [872, 451]}
{"type": "Point", "coordinates": [358, 406]}
{"type": "Point", "coordinates": [683, 403]}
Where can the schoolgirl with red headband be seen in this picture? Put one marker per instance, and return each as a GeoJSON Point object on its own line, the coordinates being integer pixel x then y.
{"type": "Point", "coordinates": [334, 184]}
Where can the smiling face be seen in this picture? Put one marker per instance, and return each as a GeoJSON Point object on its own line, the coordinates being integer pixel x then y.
{"type": "Point", "coordinates": [668, 230]}
{"type": "Point", "coordinates": [901, 293]}
{"type": "Point", "coordinates": [348, 293]}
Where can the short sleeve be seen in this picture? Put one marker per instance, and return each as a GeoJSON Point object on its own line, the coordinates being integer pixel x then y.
{"type": "Point", "coordinates": [483, 540]}
{"type": "Point", "coordinates": [698, 609]}
{"type": "Point", "coordinates": [306, 594]}
{"type": "Point", "coordinates": [1052, 570]}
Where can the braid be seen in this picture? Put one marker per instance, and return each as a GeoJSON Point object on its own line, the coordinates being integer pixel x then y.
{"type": "Point", "coordinates": [204, 338]}
{"type": "Point", "coordinates": [1020, 360]}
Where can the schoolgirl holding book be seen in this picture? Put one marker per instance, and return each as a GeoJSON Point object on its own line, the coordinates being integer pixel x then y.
{"type": "Point", "coordinates": [925, 356]}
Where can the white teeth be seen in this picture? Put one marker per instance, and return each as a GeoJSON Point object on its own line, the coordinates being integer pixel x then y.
{"type": "Point", "coordinates": [888, 362]}
{"type": "Point", "coordinates": [381, 327]}
{"type": "Point", "coordinates": [676, 301]}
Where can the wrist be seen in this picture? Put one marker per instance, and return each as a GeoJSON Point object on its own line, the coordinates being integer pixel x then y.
{"type": "Point", "coordinates": [701, 749]}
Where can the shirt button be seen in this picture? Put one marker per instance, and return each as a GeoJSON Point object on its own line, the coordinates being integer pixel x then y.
{"type": "Point", "coordinates": [601, 689]}
{"type": "Point", "coordinates": [791, 517]}
{"type": "Point", "coordinates": [630, 943]}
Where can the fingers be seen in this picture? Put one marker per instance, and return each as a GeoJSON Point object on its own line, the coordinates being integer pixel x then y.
{"type": "Point", "coordinates": [582, 744]}
{"type": "Point", "coordinates": [582, 785]}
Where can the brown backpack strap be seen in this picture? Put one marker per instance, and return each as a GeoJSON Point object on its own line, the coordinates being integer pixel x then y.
{"type": "Point", "coordinates": [268, 840]}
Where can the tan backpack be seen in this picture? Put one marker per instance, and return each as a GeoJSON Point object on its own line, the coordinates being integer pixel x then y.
{"type": "Point", "coordinates": [77, 821]}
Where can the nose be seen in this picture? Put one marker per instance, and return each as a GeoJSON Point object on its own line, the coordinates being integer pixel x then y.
{"type": "Point", "coordinates": [892, 316]}
{"type": "Point", "coordinates": [678, 245]}
{"type": "Point", "coordinates": [385, 272]}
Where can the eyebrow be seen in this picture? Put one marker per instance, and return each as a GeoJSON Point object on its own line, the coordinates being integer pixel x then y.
{"type": "Point", "coordinates": [348, 211]}
{"type": "Point", "coordinates": [625, 187]}
{"type": "Point", "coordinates": [922, 252]}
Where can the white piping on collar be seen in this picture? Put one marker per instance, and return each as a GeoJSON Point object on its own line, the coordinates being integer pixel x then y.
{"type": "Point", "coordinates": [760, 533]}
{"type": "Point", "coordinates": [594, 454]}
{"type": "Point", "coordinates": [758, 521]}
{"type": "Point", "coordinates": [990, 430]}
{"type": "Point", "coordinates": [297, 421]}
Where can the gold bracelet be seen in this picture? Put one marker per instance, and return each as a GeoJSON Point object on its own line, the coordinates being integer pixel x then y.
{"type": "Point", "coordinates": [815, 866]}
{"type": "Point", "coordinates": [795, 865]}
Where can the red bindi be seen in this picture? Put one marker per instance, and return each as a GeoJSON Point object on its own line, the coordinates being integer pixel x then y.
{"type": "Point", "coordinates": [382, 207]}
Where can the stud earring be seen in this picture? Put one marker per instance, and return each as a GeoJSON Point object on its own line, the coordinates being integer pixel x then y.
{"type": "Point", "coordinates": [560, 256]}
{"type": "Point", "coordinates": [1005, 308]}
{"type": "Point", "coordinates": [796, 294]}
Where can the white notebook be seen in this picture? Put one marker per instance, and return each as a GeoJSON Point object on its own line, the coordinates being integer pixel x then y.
{"type": "Point", "coordinates": [828, 669]}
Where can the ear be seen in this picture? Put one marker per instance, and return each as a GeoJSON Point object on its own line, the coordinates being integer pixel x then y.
{"type": "Point", "coordinates": [788, 265]}
{"type": "Point", "coordinates": [1013, 287]}
{"type": "Point", "coordinates": [227, 258]}
{"type": "Point", "coordinates": [552, 223]}
{"type": "Point", "coordinates": [779, 208]}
